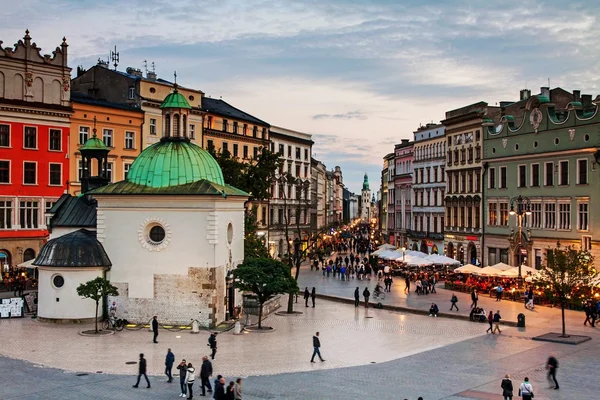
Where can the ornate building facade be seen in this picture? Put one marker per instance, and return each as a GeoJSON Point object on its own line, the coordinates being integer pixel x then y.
{"type": "Point", "coordinates": [403, 175]}
{"type": "Point", "coordinates": [365, 204]}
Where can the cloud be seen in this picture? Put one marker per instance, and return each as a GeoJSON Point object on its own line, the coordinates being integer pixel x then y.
{"type": "Point", "coordinates": [347, 115]}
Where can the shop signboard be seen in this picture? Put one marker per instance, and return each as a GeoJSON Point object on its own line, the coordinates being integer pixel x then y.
{"type": "Point", "coordinates": [11, 308]}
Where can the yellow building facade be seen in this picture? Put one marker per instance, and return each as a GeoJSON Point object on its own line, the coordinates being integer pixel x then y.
{"type": "Point", "coordinates": [119, 126]}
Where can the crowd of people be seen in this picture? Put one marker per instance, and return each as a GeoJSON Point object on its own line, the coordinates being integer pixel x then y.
{"type": "Point", "coordinates": [17, 281]}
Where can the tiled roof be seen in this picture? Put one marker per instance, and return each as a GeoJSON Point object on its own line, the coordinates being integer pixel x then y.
{"type": "Point", "coordinates": [85, 99]}
{"type": "Point", "coordinates": [218, 106]}
{"type": "Point", "coordinates": [74, 212]}
{"type": "Point", "coordinates": [75, 249]}
{"type": "Point", "coordinates": [201, 187]}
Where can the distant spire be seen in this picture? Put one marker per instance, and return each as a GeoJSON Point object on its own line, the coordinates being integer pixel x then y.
{"type": "Point", "coordinates": [94, 130]}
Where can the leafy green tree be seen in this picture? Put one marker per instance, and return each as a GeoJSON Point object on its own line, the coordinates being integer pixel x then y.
{"type": "Point", "coordinates": [254, 247]}
{"type": "Point", "coordinates": [96, 289]}
{"type": "Point", "coordinates": [568, 272]}
{"type": "Point", "coordinates": [265, 278]}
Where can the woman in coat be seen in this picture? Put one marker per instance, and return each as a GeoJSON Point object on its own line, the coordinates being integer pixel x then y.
{"type": "Point", "coordinates": [491, 322]}
{"type": "Point", "coordinates": [507, 388]}
{"type": "Point", "coordinates": [189, 379]}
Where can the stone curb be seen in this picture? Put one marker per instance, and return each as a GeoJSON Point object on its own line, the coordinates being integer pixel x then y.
{"type": "Point", "coordinates": [405, 309]}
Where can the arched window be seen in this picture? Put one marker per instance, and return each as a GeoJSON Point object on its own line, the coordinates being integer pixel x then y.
{"type": "Point", "coordinates": [167, 125]}
{"type": "Point", "coordinates": [184, 123]}
{"type": "Point", "coordinates": [28, 254]}
{"type": "Point", "coordinates": [176, 128]}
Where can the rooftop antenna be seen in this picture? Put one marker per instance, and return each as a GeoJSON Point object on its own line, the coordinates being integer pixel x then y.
{"type": "Point", "coordinates": [146, 67]}
{"type": "Point", "coordinates": [114, 57]}
{"type": "Point", "coordinates": [153, 66]}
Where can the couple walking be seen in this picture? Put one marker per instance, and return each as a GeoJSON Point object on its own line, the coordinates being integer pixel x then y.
{"type": "Point", "coordinates": [312, 295]}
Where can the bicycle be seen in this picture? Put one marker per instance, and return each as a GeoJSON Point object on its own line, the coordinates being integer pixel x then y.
{"type": "Point", "coordinates": [379, 295]}
{"type": "Point", "coordinates": [113, 323]}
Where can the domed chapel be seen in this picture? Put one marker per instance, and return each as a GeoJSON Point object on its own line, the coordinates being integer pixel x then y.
{"type": "Point", "coordinates": [167, 236]}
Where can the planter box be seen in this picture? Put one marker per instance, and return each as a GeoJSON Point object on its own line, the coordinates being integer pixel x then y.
{"type": "Point", "coordinates": [251, 305]}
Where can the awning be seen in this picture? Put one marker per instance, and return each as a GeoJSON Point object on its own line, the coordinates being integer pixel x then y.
{"type": "Point", "coordinates": [27, 264]}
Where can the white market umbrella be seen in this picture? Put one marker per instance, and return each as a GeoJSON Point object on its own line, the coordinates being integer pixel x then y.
{"type": "Point", "coordinates": [468, 269]}
{"type": "Point", "coordinates": [387, 246]}
{"type": "Point", "coordinates": [489, 271]}
{"type": "Point", "coordinates": [439, 259]}
{"type": "Point", "coordinates": [416, 253]}
{"type": "Point", "coordinates": [502, 267]}
{"type": "Point", "coordinates": [27, 264]}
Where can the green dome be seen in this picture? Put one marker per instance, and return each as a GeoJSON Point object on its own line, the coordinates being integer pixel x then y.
{"type": "Point", "coordinates": [175, 100]}
{"type": "Point", "coordinates": [172, 163]}
{"type": "Point", "coordinates": [94, 143]}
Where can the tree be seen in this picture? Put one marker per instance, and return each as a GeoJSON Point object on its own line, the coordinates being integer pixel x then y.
{"type": "Point", "coordinates": [265, 278]}
{"type": "Point", "coordinates": [97, 289]}
{"type": "Point", "coordinates": [568, 273]}
{"type": "Point", "coordinates": [254, 247]}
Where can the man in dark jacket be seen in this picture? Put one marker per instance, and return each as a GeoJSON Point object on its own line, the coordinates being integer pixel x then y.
{"type": "Point", "coordinates": [219, 388]}
{"type": "Point", "coordinates": [316, 346]}
{"type": "Point", "coordinates": [182, 367]}
{"type": "Point", "coordinates": [366, 295]}
{"type": "Point", "coordinates": [206, 372]}
{"type": "Point", "coordinates": [169, 361]}
{"type": "Point", "coordinates": [142, 371]}
{"type": "Point", "coordinates": [356, 297]}
{"type": "Point", "coordinates": [306, 296]}
{"type": "Point", "coordinates": [212, 343]}
{"type": "Point", "coordinates": [155, 328]}
{"type": "Point", "coordinates": [552, 366]}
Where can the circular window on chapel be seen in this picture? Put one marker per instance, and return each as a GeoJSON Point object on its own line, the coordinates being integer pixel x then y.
{"type": "Point", "coordinates": [157, 234]}
{"type": "Point", "coordinates": [58, 281]}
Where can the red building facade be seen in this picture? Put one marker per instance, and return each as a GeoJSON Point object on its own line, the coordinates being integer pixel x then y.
{"type": "Point", "coordinates": [34, 139]}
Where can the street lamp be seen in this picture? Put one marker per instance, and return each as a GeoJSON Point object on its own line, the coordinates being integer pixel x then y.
{"type": "Point", "coordinates": [403, 250]}
{"type": "Point", "coordinates": [520, 206]}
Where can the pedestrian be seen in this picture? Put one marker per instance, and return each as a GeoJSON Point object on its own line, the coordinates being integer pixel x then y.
{"type": "Point", "coordinates": [206, 371]}
{"type": "Point", "coordinates": [433, 282]}
{"type": "Point", "coordinates": [182, 367]}
{"type": "Point", "coordinates": [238, 389]}
{"type": "Point", "coordinates": [356, 297]}
{"type": "Point", "coordinates": [212, 343]}
{"type": "Point", "coordinates": [474, 298]}
{"type": "Point", "coordinates": [490, 319]}
{"type": "Point", "coordinates": [507, 387]}
{"type": "Point", "coordinates": [499, 290]}
{"type": "Point", "coordinates": [220, 389]}
{"type": "Point", "coordinates": [113, 310]}
{"type": "Point", "coordinates": [552, 366]}
{"type": "Point", "coordinates": [530, 299]}
{"type": "Point", "coordinates": [189, 380]}
{"type": "Point", "coordinates": [497, 319]}
{"type": "Point", "coordinates": [419, 289]}
{"type": "Point", "coordinates": [316, 346]}
{"type": "Point", "coordinates": [407, 284]}
{"type": "Point", "coordinates": [169, 361]}
{"type": "Point", "coordinates": [306, 296]}
{"type": "Point", "coordinates": [142, 371]}
{"type": "Point", "coordinates": [433, 310]}
{"type": "Point", "coordinates": [366, 295]}
{"type": "Point", "coordinates": [313, 295]}
{"type": "Point", "coordinates": [454, 300]}
{"type": "Point", "coordinates": [155, 328]}
{"type": "Point", "coordinates": [217, 383]}
{"type": "Point", "coordinates": [230, 391]}
{"type": "Point", "coordinates": [526, 390]}
{"type": "Point", "coordinates": [587, 308]}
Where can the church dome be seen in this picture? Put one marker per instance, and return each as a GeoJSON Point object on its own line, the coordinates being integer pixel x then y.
{"type": "Point", "coordinates": [175, 100]}
{"type": "Point", "coordinates": [75, 249]}
{"type": "Point", "coordinates": [172, 163]}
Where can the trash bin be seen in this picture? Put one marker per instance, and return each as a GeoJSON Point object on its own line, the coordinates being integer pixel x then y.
{"type": "Point", "coordinates": [521, 320]}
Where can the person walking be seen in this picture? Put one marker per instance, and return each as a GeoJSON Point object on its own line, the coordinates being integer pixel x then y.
{"type": "Point", "coordinates": [407, 284]}
{"type": "Point", "coordinates": [497, 319]}
{"type": "Point", "coordinates": [189, 380]}
{"type": "Point", "coordinates": [169, 361]}
{"type": "Point", "coordinates": [526, 390]}
{"type": "Point", "coordinates": [219, 389]}
{"type": "Point", "coordinates": [366, 295]}
{"type": "Point", "coordinates": [306, 296]}
{"type": "Point", "coordinates": [313, 295]}
{"type": "Point", "coordinates": [237, 390]}
{"type": "Point", "coordinates": [155, 328]}
{"type": "Point", "coordinates": [206, 371]}
{"type": "Point", "coordinates": [552, 366]}
{"type": "Point", "coordinates": [182, 367]}
{"type": "Point", "coordinates": [474, 298]}
{"type": "Point", "coordinates": [433, 283]}
{"type": "Point", "coordinates": [530, 299]}
{"type": "Point", "coordinates": [230, 391]}
{"type": "Point", "coordinates": [454, 300]}
{"type": "Point", "coordinates": [490, 319]}
{"type": "Point", "coordinates": [356, 297]}
{"type": "Point", "coordinates": [499, 290]}
{"type": "Point", "coordinates": [317, 347]}
{"type": "Point", "coordinates": [507, 387]}
{"type": "Point", "coordinates": [587, 308]}
{"type": "Point", "coordinates": [142, 371]}
{"type": "Point", "coordinates": [212, 343]}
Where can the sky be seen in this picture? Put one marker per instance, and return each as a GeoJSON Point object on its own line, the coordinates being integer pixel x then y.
{"type": "Point", "coordinates": [358, 75]}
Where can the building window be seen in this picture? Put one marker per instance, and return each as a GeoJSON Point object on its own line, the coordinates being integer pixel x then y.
{"type": "Point", "coordinates": [306, 154]}
{"type": "Point", "coordinates": [109, 171]}
{"type": "Point", "coordinates": [29, 173]}
{"type": "Point", "coordinates": [210, 146]}
{"type": "Point", "coordinates": [255, 153]}
{"type": "Point", "coordinates": [289, 151]}
{"type": "Point", "coordinates": [582, 172]}
{"type": "Point", "coordinates": [5, 214]}
{"type": "Point", "coordinates": [298, 171]}
{"type": "Point", "coordinates": [535, 220]}
{"type": "Point", "coordinates": [245, 151]}
{"type": "Point", "coordinates": [306, 171]}
{"type": "Point", "coordinates": [583, 215]}
{"type": "Point", "coordinates": [131, 92]}
{"type": "Point", "coordinates": [298, 151]}
{"type": "Point", "coordinates": [55, 174]}
{"type": "Point", "coordinates": [535, 175]}
{"type": "Point", "coordinates": [225, 147]}
{"type": "Point", "coordinates": [502, 177]}
{"type": "Point", "coordinates": [55, 140]}
{"type": "Point", "coordinates": [263, 215]}
{"type": "Point", "coordinates": [30, 141]}
{"type": "Point", "coordinates": [28, 214]}
{"type": "Point", "coordinates": [564, 216]}
{"type": "Point", "coordinates": [281, 149]}
{"type": "Point", "coordinates": [549, 215]}
{"type": "Point", "coordinates": [254, 131]}
{"type": "Point", "coordinates": [264, 133]}
{"type": "Point", "coordinates": [235, 127]}
{"type": "Point", "coordinates": [564, 173]}
{"type": "Point", "coordinates": [235, 149]}
{"type": "Point", "coordinates": [549, 175]}
{"type": "Point", "coordinates": [503, 214]}
{"type": "Point", "coordinates": [4, 171]}
{"type": "Point", "coordinates": [224, 125]}
{"type": "Point", "coordinates": [126, 168]}
{"type": "Point", "coordinates": [153, 126]}
{"type": "Point", "coordinates": [492, 214]}
{"type": "Point", "coordinates": [192, 131]}
{"type": "Point", "coordinates": [492, 178]}
{"type": "Point", "coordinates": [522, 176]}
{"type": "Point", "coordinates": [4, 135]}
{"type": "Point", "coordinates": [280, 216]}
{"type": "Point", "coordinates": [476, 212]}
{"type": "Point", "coordinates": [84, 134]}
{"type": "Point", "coordinates": [586, 243]}
{"type": "Point", "coordinates": [129, 140]}
{"type": "Point", "coordinates": [107, 137]}
{"type": "Point", "coordinates": [79, 170]}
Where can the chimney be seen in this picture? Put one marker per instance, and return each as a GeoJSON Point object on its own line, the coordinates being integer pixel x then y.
{"type": "Point", "coordinates": [586, 100]}
{"type": "Point", "coordinates": [151, 75]}
{"type": "Point", "coordinates": [405, 141]}
{"type": "Point", "coordinates": [133, 71]}
{"type": "Point", "coordinates": [576, 95]}
{"type": "Point", "coordinates": [525, 94]}
{"type": "Point", "coordinates": [102, 63]}
{"type": "Point", "coordinates": [80, 71]}
{"type": "Point", "coordinates": [545, 91]}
